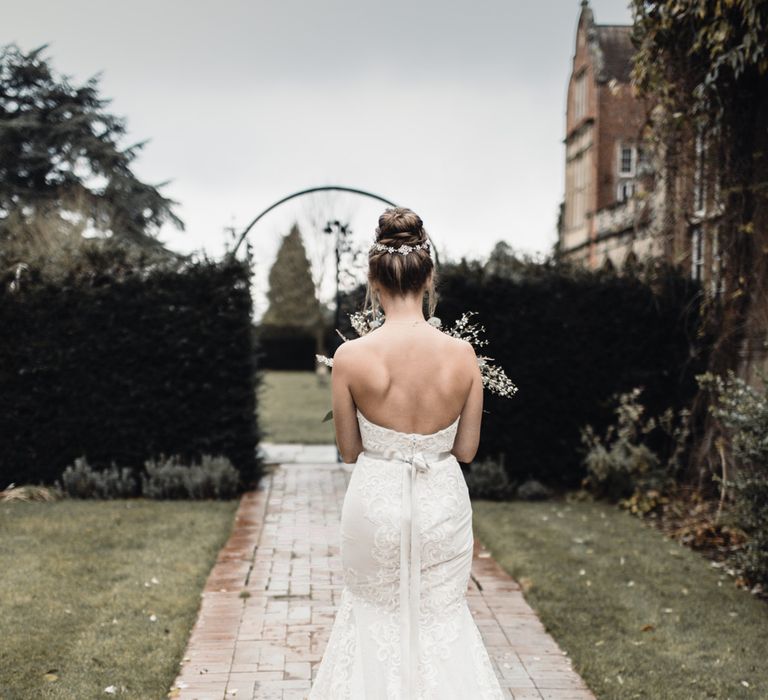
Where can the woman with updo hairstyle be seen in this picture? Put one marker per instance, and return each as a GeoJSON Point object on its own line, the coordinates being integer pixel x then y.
{"type": "Point", "coordinates": [407, 405]}
{"type": "Point", "coordinates": [402, 273]}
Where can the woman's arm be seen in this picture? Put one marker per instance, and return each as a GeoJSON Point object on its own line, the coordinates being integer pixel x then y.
{"type": "Point", "coordinates": [348, 438]}
{"type": "Point", "coordinates": [468, 433]}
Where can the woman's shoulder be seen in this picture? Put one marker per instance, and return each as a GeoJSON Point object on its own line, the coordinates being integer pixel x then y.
{"type": "Point", "coordinates": [347, 349]}
{"type": "Point", "coordinates": [372, 343]}
{"type": "Point", "coordinates": [458, 345]}
{"type": "Point", "coordinates": [352, 351]}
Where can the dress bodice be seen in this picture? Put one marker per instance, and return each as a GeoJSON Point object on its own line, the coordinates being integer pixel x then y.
{"type": "Point", "coordinates": [377, 437]}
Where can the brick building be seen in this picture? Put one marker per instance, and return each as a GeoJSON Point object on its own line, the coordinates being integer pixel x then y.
{"type": "Point", "coordinates": [607, 208]}
{"type": "Point", "coordinates": [622, 200]}
{"type": "Point", "coordinates": [619, 199]}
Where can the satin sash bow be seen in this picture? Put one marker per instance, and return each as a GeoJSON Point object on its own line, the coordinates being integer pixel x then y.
{"type": "Point", "coordinates": [415, 461]}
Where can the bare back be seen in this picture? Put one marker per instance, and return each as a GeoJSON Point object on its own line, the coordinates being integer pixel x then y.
{"type": "Point", "coordinates": [410, 379]}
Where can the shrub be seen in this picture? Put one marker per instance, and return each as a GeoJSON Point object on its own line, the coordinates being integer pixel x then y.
{"type": "Point", "coordinates": [489, 479]}
{"type": "Point", "coordinates": [170, 478]}
{"type": "Point", "coordinates": [122, 362]}
{"type": "Point", "coordinates": [623, 466]}
{"type": "Point", "coordinates": [743, 412]}
{"type": "Point", "coordinates": [570, 339]}
{"type": "Point", "coordinates": [751, 511]}
{"type": "Point", "coordinates": [533, 490]}
{"type": "Point", "coordinates": [82, 481]}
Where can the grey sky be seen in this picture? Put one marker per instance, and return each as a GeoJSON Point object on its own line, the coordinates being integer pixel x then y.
{"type": "Point", "coordinates": [455, 109]}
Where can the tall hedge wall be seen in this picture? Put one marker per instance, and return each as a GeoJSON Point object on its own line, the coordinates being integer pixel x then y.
{"type": "Point", "coordinates": [287, 347]}
{"type": "Point", "coordinates": [123, 369]}
{"type": "Point", "coordinates": [569, 339]}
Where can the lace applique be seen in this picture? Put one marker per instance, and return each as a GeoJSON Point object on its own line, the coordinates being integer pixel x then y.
{"type": "Point", "coordinates": [377, 437]}
{"type": "Point", "coordinates": [442, 514]}
{"type": "Point", "coordinates": [440, 499]}
{"type": "Point", "coordinates": [334, 674]}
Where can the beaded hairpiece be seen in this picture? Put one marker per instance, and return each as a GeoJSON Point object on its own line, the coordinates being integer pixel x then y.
{"type": "Point", "coordinates": [402, 249]}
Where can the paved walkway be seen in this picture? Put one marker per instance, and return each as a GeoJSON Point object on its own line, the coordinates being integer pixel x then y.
{"type": "Point", "coordinates": [270, 600]}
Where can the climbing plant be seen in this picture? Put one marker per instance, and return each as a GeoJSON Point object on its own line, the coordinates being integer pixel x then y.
{"type": "Point", "coordinates": [704, 64]}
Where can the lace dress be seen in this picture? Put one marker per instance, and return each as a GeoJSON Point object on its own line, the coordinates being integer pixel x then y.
{"type": "Point", "coordinates": [409, 637]}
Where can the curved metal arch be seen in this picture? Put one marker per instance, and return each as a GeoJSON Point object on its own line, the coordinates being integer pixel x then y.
{"type": "Point", "coordinates": [324, 188]}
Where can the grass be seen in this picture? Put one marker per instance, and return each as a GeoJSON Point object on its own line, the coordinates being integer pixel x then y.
{"type": "Point", "coordinates": [79, 581]}
{"type": "Point", "coordinates": [292, 406]}
{"type": "Point", "coordinates": [640, 615]}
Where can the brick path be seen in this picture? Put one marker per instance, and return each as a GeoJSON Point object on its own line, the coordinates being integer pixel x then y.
{"type": "Point", "coordinates": [270, 599]}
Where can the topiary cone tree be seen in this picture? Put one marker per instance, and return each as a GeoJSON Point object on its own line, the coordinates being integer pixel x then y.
{"type": "Point", "coordinates": [293, 303]}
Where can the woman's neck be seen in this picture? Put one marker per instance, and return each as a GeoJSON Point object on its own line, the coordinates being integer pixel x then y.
{"type": "Point", "coordinates": [399, 309]}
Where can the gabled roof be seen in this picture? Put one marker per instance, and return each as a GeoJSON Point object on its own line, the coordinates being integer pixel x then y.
{"type": "Point", "coordinates": [610, 45]}
{"type": "Point", "coordinates": [617, 50]}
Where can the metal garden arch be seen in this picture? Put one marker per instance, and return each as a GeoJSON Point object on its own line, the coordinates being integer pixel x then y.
{"type": "Point", "coordinates": [301, 193]}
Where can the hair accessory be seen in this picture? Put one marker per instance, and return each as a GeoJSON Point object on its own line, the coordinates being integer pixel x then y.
{"type": "Point", "coordinates": [402, 249]}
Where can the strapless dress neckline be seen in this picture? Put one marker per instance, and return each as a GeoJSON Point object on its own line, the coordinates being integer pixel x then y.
{"type": "Point", "coordinates": [400, 432]}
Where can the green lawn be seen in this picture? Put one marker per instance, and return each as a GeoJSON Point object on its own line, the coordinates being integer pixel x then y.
{"type": "Point", "coordinates": [79, 582]}
{"type": "Point", "coordinates": [640, 615]}
{"type": "Point", "coordinates": [292, 406]}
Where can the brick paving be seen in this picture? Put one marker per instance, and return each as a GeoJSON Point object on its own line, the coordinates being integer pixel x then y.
{"type": "Point", "coordinates": [270, 600]}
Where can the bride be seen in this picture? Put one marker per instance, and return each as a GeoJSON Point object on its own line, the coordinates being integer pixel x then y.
{"type": "Point", "coordinates": [407, 404]}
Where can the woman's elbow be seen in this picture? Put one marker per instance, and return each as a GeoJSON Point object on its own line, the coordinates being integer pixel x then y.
{"type": "Point", "coordinates": [464, 456]}
{"type": "Point", "coordinates": [349, 457]}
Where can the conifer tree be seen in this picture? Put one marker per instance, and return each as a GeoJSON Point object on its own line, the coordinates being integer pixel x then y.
{"type": "Point", "coordinates": [291, 294]}
{"type": "Point", "coordinates": [61, 158]}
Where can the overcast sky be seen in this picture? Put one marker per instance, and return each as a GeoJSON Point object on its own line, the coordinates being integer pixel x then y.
{"type": "Point", "coordinates": [453, 108]}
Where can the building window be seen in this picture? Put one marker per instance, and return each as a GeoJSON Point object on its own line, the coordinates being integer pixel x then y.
{"type": "Point", "coordinates": [581, 164]}
{"type": "Point", "coordinates": [717, 201]}
{"type": "Point", "coordinates": [643, 161]}
{"type": "Point", "coordinates": [717, 277]}
{"type": "Point", "coordinates": [580, 95]}
{"type": "Point", "coordinates": [626, 160]}
{"type": "Point", "coordinates": [625, 190]}
{"type": "Point", "coordinates": [699, 185]}
{"type": "Point", "coordinates": [697, 252]}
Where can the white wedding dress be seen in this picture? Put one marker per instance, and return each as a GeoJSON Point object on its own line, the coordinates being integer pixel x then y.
{"type": "Point", "coordinates": [409, 637]}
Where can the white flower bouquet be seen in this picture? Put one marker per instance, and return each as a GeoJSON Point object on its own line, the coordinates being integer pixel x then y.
{"type": "Point", "coordinates": [494, 377]}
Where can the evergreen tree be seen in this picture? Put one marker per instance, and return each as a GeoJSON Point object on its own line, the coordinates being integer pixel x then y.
{"type": "Point", "coordinates": [60, 159]}
{"type": "Point", "coordinates": [503, 262]}
{"type": "Point", "coordinates": [291, 295]}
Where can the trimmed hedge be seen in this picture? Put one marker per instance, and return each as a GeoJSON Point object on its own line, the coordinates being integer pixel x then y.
{"type": "Point", "coordinates": [124, 367]}
{"type": "Point", "coordinates": [287, 347]}
{"type": "Point", "coordinates": [570, 339]}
